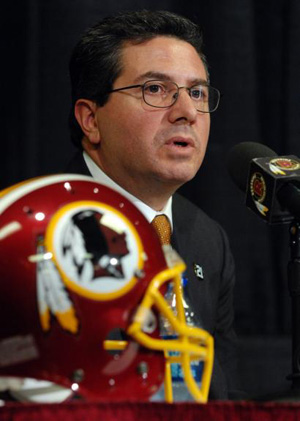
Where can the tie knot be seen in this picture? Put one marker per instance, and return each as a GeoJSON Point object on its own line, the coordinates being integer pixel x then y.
{"type": "Point", "coordinates": [162, 226]}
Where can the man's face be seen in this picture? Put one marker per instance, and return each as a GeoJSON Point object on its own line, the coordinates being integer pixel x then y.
{"type": "Point", "coordinates": [144, 145]}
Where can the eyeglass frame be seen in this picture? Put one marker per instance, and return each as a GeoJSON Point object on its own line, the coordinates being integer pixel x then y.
{"type": "Point", "coordinates": [178, 88]}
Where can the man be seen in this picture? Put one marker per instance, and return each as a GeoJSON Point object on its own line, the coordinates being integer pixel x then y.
{"type": "Point", "coordinates": [141, 117]}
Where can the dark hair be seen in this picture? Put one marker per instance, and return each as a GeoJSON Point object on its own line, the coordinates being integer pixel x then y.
{"type": "Point", "coordinates": [95, 62]}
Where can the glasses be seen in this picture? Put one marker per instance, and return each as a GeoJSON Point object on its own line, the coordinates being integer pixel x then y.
{"type": "Point", "coordinates": [164, 94]}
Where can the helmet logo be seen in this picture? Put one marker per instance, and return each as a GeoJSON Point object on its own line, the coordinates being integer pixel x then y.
{"type": "Point", "coordinates": [96, 249]}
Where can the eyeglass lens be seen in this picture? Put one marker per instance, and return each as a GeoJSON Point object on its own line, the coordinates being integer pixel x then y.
{"type": "Point", "coordinates": [165, 93]}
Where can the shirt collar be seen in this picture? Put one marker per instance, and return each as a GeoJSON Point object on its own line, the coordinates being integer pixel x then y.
{"type": "Point", "coordinates": [146, 210]}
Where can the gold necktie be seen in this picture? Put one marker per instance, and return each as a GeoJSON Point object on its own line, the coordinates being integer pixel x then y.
{"type": "Point", "coordinates": [162, 226]}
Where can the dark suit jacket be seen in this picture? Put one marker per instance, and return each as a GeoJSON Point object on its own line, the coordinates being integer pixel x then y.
{"type": "Point", "coordinates": [200, 240]}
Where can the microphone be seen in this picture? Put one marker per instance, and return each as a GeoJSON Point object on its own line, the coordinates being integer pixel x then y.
{"type": "Point", "coordinates": [271, 182]}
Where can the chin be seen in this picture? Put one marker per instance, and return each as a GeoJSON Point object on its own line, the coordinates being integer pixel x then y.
{"type": "Point", "coordinates": [177, 175]}
{"type": "Point", "coordinates": [179, 179]}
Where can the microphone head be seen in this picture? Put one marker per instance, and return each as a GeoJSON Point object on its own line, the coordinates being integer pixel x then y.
{"type": "Point", "coordinates": [239, 160]}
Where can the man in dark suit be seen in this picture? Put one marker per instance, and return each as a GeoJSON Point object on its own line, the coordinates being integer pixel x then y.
{"type": "Point", "coordinates": [141, 118]}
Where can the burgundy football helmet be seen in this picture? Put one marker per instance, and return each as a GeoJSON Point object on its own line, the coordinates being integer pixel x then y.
{"type": "Point", "coordinates": [82, 282]}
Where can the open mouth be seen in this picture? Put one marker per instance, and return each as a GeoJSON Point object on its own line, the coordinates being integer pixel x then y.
{"type": "Point", "coordinates": [181, 144]}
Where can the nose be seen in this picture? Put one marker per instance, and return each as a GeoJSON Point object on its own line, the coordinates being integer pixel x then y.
{"type": "Point", "coordinates": [184, 108]}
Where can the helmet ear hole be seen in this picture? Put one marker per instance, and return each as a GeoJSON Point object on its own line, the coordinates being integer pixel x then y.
{"type": "Point", "coordinates": [115, 342]}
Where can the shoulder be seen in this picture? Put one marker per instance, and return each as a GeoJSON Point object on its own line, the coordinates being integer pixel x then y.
{"type": "Point", "coordinates": [182, 204]}
{"type": "Point", "coordinates": [190, 216]}
{"type": "Point", "coordinates": [198, 237]}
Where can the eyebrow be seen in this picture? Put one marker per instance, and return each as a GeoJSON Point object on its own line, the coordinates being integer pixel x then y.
{"type": "Point", "coordinates": [163, 76]}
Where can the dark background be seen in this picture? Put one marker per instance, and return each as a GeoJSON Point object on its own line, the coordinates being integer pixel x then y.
{"type": "Point", "coordinates": [253, 52]}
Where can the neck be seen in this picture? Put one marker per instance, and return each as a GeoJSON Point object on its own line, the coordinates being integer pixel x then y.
{"type": "Point", "coordinates": [153, 192]}
{"type": "Point", "coordinates": [155, 196]}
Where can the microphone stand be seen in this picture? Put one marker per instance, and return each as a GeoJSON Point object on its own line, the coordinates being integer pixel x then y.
{"type": "Point", "coordinates": [293, 269]}
{"type": "Point", "coordinates": [294, 290]}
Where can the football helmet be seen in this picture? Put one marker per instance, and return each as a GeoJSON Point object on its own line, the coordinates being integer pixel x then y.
{"type": "Point", "coordinates": [82, 283]}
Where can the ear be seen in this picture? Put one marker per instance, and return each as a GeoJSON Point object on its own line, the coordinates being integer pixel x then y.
{"type": "Point", "coordinates": [85, 113]}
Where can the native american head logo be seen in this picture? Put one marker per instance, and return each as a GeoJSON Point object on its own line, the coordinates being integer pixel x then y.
{"type": "Point", "coordinates": [94, 249]}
